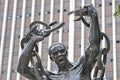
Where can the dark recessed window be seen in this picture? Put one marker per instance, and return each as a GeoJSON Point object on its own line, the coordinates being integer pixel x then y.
{"type": "Point", "coordinates": [58, 11]}
{"type": "Point", "coordinates": [37, 14]}
{"type": "Point", "coordinates": [100, 5]}
{"type": "Point", "coordinates": [111, 60]}
{"type": "Point", "coordinates": [9, 17]}
{"type": "Point", "coordinates": [2, 72]}
{"type": "Point", "coordinates": [18, 36]}
{"type": "Point", "coordinates": [13, 71]}
{"type": "Point", "coordinates": [110, 3]}
{"type": "Point", "coordinates": [18, 16]}
{"type": "Point", "coordinates": [117, 41]}
{"type": "Point", "coordinates": [65, 10]}
{"type": "Point", "coordinates": [47, 12]}
{"type": "Point", "coordinates": [28, 15]}
{"type": "Point", "coordinates": [57, 31]}
{"type": "Point", "coordinates": [79, 45]}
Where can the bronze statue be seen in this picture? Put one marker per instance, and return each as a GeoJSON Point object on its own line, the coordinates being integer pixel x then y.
{"type": "Point", "coordinates": [58, 52]}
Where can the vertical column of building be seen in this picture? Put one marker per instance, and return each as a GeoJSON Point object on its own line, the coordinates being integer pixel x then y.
{"type": "Point", "coordinates": [12, 41]}
{"type": "Point", "coordinates": [41, 26]}
{"type": "Point", "coordinates": [114, 42]}
{"type": "Point", "coordinates": [93, 2]}
{"type": "Point", "coordinates": [103, 26]}
{"type": "Point", "coordinates": [33, 11]}
{"type": "Point", "coordinates": [71, 32]}
{"type": "Point", "coordinates": [61, 19]}
{"type": "Point", "coordinates": [103, 20]}
{"type": "Point", "coordinates": [82, 34]}
{"type": "Point", "coordinates": [3, 35]}
{"type": "Point", "coordinates": [22, 31]}
{"type": "Point", "coordinates": [50, 37]}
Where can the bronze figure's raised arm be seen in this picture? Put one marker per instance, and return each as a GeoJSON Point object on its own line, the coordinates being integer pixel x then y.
{"type": "Point", "coordinates": [30, 50]}
{"type": "Point", "coordinates": [93, 53]}
{"type": "Point", "coordinates": [58, 52]}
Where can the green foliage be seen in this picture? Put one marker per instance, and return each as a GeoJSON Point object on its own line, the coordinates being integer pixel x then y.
{"type": "Point", "coordinates": [117, 12]}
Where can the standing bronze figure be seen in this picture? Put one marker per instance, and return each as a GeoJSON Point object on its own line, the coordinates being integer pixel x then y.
{"type": "Point", "coordinates": [58, 52]}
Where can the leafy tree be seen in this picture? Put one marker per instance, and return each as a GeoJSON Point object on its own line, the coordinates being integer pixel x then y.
{"type": "Point", "coordinates": [117, 12]}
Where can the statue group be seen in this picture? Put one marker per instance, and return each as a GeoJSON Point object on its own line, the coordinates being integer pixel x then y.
{"type": "Point", "coordinates": [94, 57]}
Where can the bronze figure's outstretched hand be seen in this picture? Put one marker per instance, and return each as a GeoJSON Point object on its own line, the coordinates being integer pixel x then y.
{"type": "Point", "coordinates": [80, 12]}
{"type": "Point", "coordinates": [39, 33]}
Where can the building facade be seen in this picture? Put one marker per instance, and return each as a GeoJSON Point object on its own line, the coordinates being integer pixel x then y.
{"type": "Point", "coordinates": [16, 15]}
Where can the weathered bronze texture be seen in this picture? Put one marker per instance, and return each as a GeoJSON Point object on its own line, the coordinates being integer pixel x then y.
{"type": "Point", "coordinates": [58, 52]}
